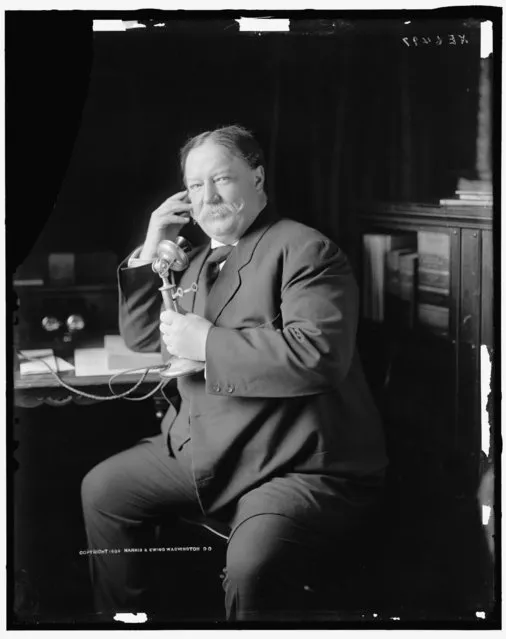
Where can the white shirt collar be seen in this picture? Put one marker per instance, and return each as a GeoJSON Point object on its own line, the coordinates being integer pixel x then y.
{"type": "Point", "coordinates": [215, 243]}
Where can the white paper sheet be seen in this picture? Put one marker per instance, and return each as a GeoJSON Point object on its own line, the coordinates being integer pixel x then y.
{"type": "Point", "coordinates": [94, 361]}
{"type": "Point", "coordinates": [31, 367]}
{"type": "Point", "coordinates": [120, 356]}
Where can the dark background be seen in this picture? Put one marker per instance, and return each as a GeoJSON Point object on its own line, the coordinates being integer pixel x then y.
{"type": "Point", "coordinates": [346, 114]}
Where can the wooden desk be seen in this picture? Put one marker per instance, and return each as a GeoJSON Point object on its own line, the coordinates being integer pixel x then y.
{"type": "Point", "coordinates": [34, 390]}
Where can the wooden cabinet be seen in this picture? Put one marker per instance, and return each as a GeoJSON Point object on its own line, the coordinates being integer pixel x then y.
{"type": "Point", "coordinates": [428, 385]}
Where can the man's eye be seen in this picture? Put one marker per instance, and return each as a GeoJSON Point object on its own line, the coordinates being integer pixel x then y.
{"type": "Point", "coordinates": [194, 187]}
{"type": "Point", "coordinates": [223, 178]}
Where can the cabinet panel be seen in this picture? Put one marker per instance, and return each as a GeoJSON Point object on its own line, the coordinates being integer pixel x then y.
{"type": "Point", "coordinates": [471, 287]}
{"type": "Point", "coordinates": [487, 289]}
{"type": "Point", "coordinates": [455, 259]}
{"type": "Point", "coordinates": [469, 413]}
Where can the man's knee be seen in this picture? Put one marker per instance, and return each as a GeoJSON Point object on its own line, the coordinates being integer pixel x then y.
{"type": "Point", "coordinates": [244, 567]}
{"type": "Point", "coordinates": [254, 553]}
{"type": "Point", "coordinates": [95, 488]}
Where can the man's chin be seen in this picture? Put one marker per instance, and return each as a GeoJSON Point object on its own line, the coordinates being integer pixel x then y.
{"type": "Point", "coordinates": [218, 229]}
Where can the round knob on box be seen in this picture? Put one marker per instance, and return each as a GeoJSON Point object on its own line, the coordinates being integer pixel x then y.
{"type": "Point", "coordinates": [50, 323]}
{"type": "Point", "coordinates": [75, 323]}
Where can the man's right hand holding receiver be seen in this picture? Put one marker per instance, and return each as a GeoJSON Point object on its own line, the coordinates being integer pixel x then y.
{"type": "Point", "coordinates": [165, 223]}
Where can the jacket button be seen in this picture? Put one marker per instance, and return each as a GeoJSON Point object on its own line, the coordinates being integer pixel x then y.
{"type": "Point", "coordinates": [230, 388]}
{"type": "Point", "coordinates": [216, 388]}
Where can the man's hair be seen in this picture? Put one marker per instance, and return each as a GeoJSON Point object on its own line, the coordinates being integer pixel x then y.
{"type": "Point", "coordinates": [237, 139]}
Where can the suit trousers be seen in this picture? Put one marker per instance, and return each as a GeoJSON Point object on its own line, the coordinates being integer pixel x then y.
{"type": "Point", "coordinates": [271, 560]}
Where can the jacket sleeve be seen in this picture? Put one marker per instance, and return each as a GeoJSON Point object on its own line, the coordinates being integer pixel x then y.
{"type": "Point", "coordinates": [312, 352]}
{"type": "Point", "coordinates": [140, 305]}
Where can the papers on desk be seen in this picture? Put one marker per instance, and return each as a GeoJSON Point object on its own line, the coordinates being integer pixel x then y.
{"type": "Point", "coordinates": [119, 356]}
{"type": "Point", "coordinates": [92, 361]}
{"type": "Point", "coordinates": [114, 358]}
{"type": "Point", "coordinates": [35, 362]}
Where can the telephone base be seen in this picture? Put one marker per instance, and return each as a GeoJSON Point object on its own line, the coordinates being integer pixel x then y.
{"type": "Point", "coordinates": [180, 367]}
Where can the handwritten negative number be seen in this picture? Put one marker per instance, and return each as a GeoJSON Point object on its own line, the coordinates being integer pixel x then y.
{"type": "Point", "coordinates": [451, 39]}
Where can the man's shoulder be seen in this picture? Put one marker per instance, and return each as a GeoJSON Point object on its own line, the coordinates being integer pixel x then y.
{"type": "Point", "coordinates": [292, 233]}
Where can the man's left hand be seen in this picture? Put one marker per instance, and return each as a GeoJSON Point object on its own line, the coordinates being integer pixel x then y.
{"type": "Point", "coordinates": [185, 335]}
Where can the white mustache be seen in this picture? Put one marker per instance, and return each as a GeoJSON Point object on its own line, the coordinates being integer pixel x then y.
{"type": "Point", "coordinates": [233, 207]}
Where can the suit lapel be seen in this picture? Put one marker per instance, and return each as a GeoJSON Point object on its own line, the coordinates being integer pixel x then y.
{"type": "Point", "coordinates": [229, 280]}
{"type": "Point", "coordinates": [191, 275]}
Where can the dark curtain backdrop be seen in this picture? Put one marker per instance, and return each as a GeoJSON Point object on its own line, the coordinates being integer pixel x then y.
{"type": "Point", "coordinates": [348, 117]}
{"type": "Point", "coordinates": [363, 117]}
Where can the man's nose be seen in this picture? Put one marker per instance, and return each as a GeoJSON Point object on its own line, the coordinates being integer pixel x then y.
{"type": "Point", "coordinates": [210, 192]}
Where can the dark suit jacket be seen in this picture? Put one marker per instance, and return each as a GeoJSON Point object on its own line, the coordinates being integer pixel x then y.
{"type": "Point", "coordinates": [284, 391]}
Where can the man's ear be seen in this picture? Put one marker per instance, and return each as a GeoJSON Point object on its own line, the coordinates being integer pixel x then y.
{"type": "Point", "coordinates": [259, 178]}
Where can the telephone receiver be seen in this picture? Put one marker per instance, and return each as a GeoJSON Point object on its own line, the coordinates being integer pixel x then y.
{"type": "Point", "coordinates": [173, 257]}
{"type": "Point", "coordinates": [175, 253]}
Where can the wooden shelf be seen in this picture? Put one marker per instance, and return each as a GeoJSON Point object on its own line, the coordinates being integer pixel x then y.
{"type": "Point", "coordinates": [424, 215]}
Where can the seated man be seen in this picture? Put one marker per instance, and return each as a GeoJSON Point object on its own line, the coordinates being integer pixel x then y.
{"type": "Point", "coordinates": [278, 436]}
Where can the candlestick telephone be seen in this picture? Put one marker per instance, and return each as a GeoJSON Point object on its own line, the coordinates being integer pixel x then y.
{"type": "Point", "coordinates": [173, 257]}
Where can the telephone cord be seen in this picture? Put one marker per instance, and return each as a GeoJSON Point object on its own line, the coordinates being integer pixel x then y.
{"type": "Point", "coordinates": [123, 395]}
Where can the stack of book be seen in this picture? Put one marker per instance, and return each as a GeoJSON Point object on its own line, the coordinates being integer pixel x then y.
{"type": "Point", "coordinates": [383, 275]}
{"type": "Point", "coordinates": [471, 193]}
{"type": "Point", "coordinates": [406, 280]}
{"type": "Point", "coordinates": [434, 281]}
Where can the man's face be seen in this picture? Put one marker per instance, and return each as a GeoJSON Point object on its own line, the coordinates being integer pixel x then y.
{"type": "Point", "coordinates": [226, 194]}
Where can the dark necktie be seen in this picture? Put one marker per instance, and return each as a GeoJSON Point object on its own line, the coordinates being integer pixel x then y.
{"type": "Point", "coordinates": [208, 274]}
